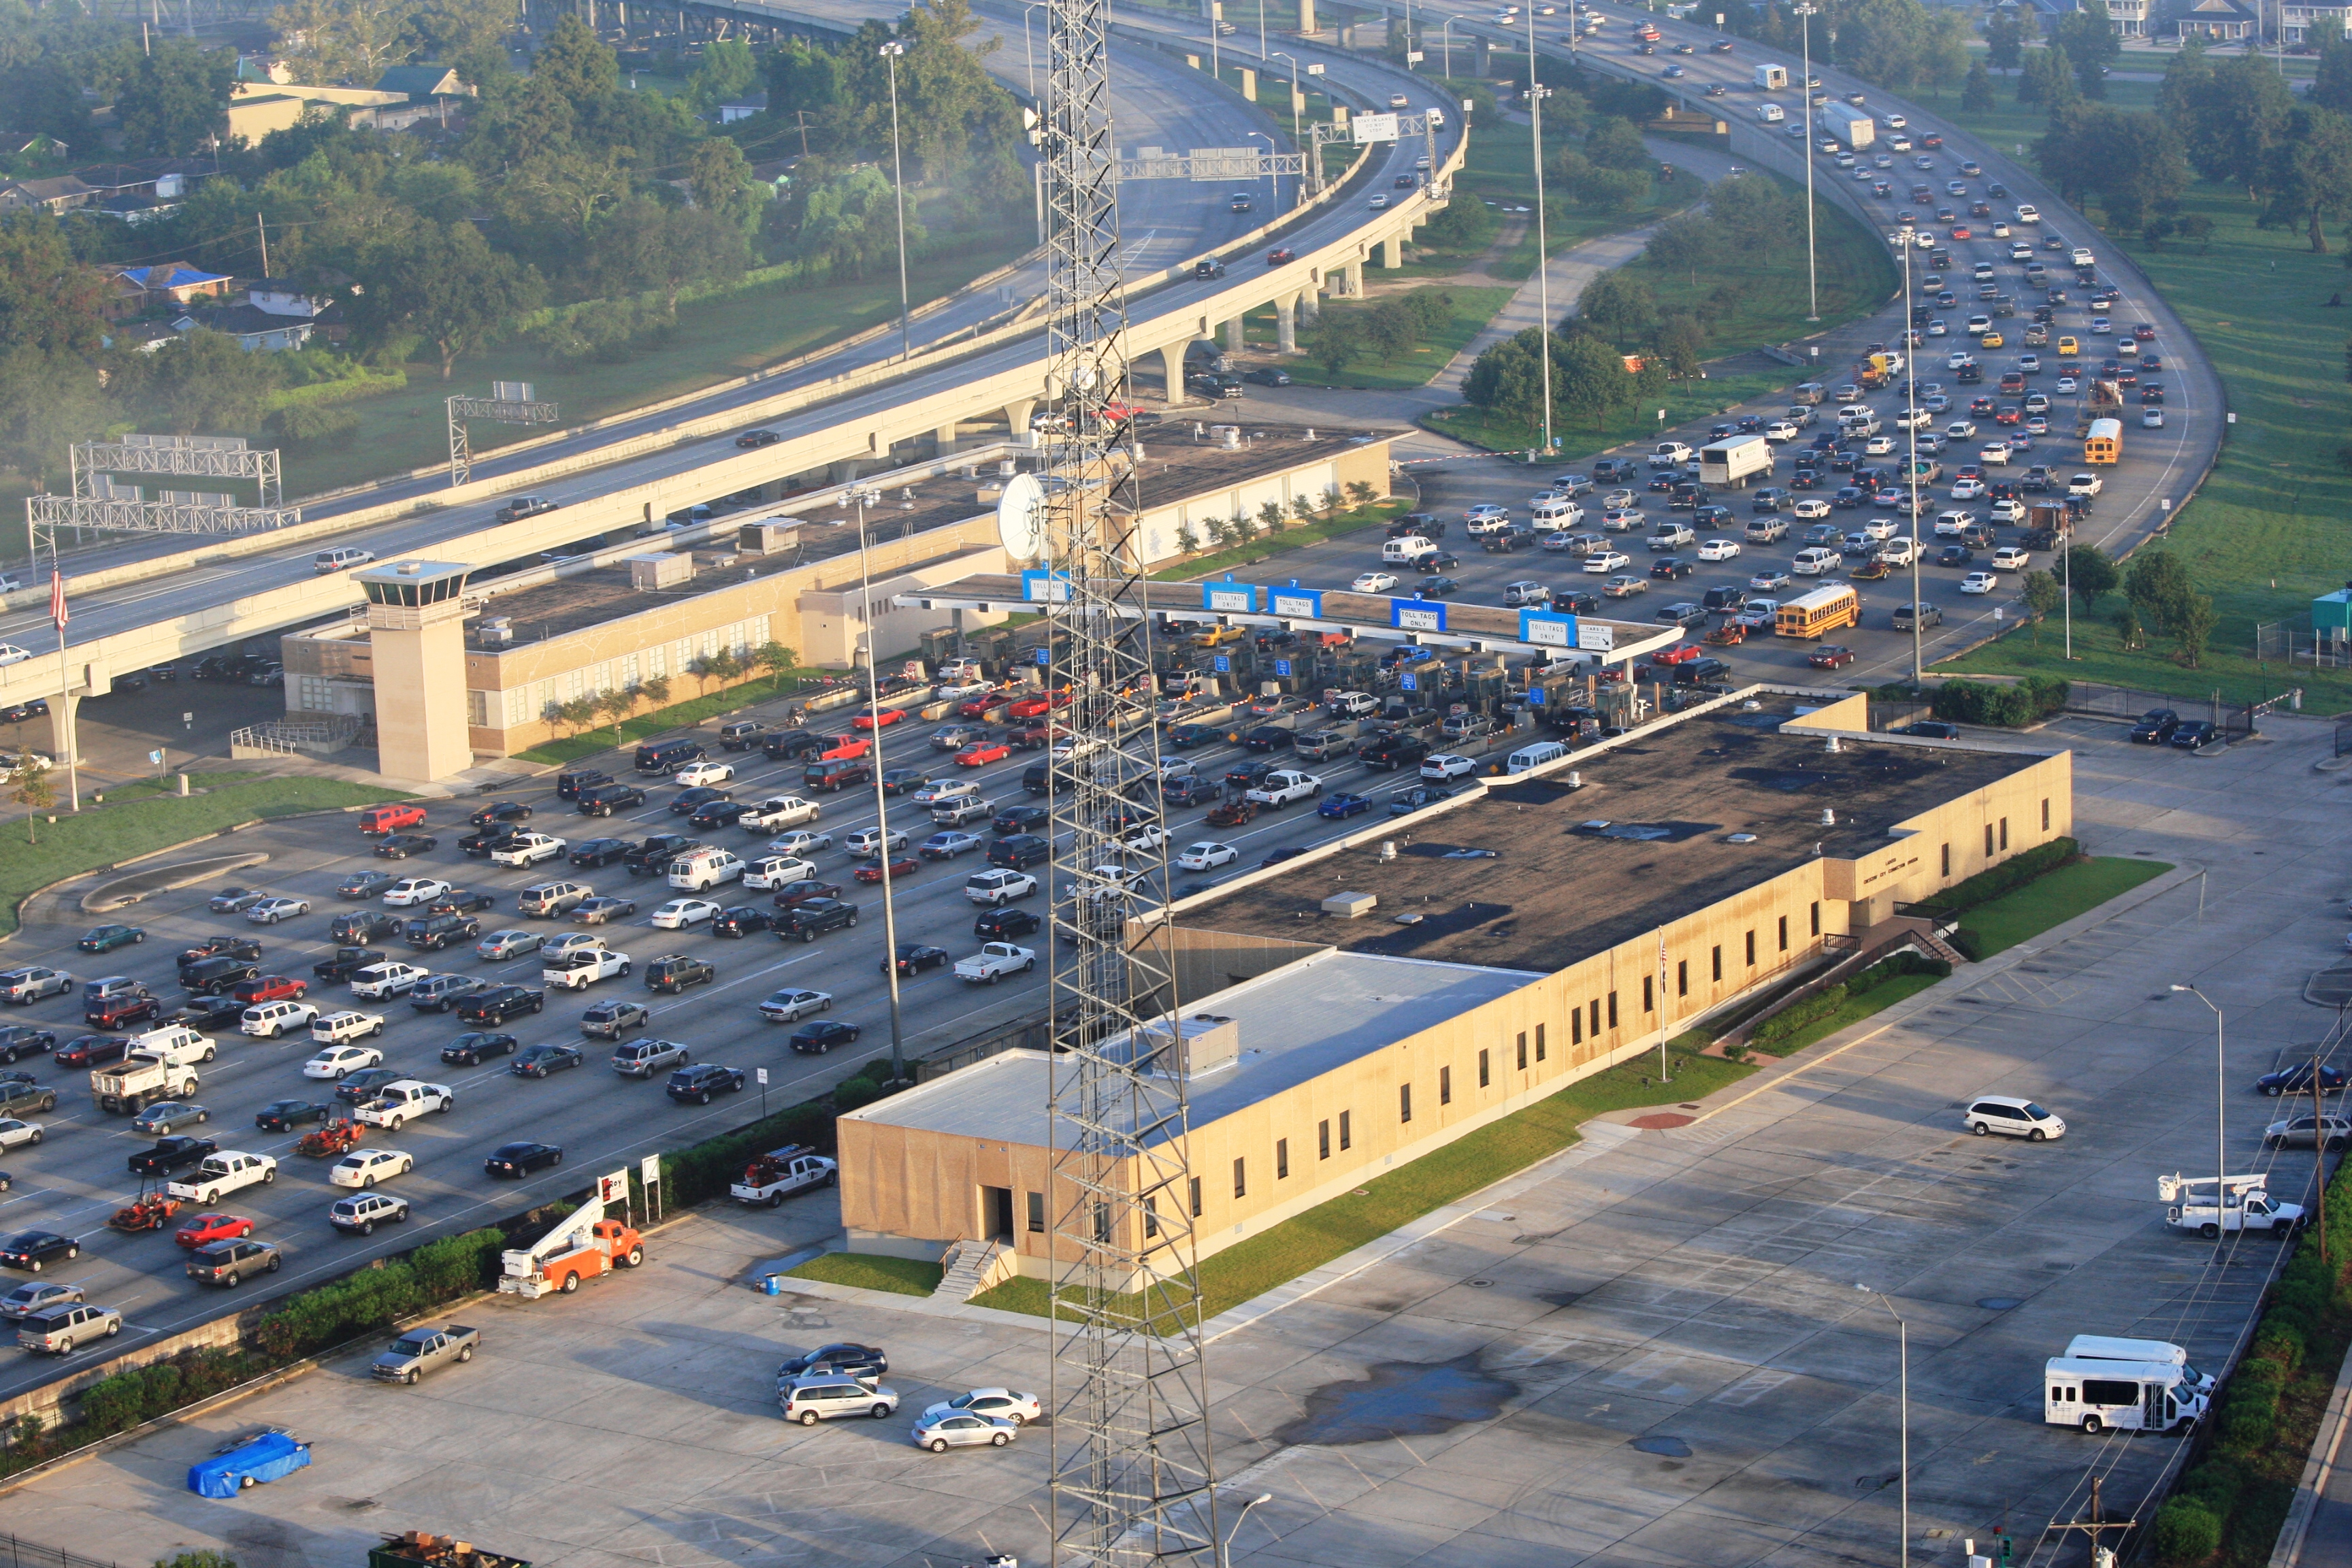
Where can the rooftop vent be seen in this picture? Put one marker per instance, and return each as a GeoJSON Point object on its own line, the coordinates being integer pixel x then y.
{"type": "Point", "coordinates": [1349, 906]}
{"type": "Point", "coordinates": [1200, 1043]}
{"type": "Point", "coordinates": [1829, 817]}
{"type": "Point", "coordinates": [1833, 748]}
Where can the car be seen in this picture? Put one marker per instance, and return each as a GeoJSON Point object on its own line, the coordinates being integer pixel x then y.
{"type": "Point", "coordinates": [2013, 1117]}
{"type": "Point", "coordinates": [697, 1085]}
{"type": "Point", "coordinates": [1770, 578]}
{"type": "Point", "coordinates": [341, 1061]}
{"type": "Point", "coordinates": [365, 1085]}
{"type": "Point", "coordinates": [361, 1214]}
{"type": "Point", "coordinates": [364, 884]}
{"type": "Point", "coordinates": [1344, 804]}
{"type": "Point", "coordinates": [679, 914]}
{"type": "Point", "coordinates": [207, 1228]}
{"type": "Point", "coordinates": [411, 890]}
{"type": "Point", "coordinates": [286, 1115]}
{"type": "Point", "coordinates": [22, 987]}
{"type": "Point", "coordinates": [514, 1161]}
{"type": "Point", "coordinates": [1447, 765]}
{"type": "Point", "coordinates": [817, 1039]}
{"type": "Point", "coordinates": [1978, 583]}
{"type": "Point", "coordinates": [913, 958]}
{"type": "Point", "coordinates": [32, 1250]}
{"type": "Point", "coordinates": [504, 944]}
{"type": "Point", "coordinates": [1830, 655]}
{"type": "Point", "coordinates": [107, 937]}
{"type": "Point", "coordinates": [602, 911]}
{"type": "Point", "coordinates": [18, 1041]}
{"type": "Point", "coordinates": [235, 901]}
{"type": "Point", "coordinates": [541, 1060]}
{"type": "Point", "coordinates": [610, 1019]}
{"type": "Point", "coordinates": [1719, 550]}
{"type": "Point", "coordinates": [401, 846]}
{"type": "Point", "coordinates": [703, 773]}
{"type": "Point", "coordinates": [27, 1302]}
{"type": "Point", "coordinates": [268, 988]}
{"type": "Point", "coordinates": [2193, 734]}
{"type": "Point", "coordinates": [2155, 727]}
{"type": "Point", "coordinates": [476, 1047]}
{"type": "Point", "coordinates": [1373, 583]}
{"type": "Point", "coordinates": [949, 843]}
{"type": "Point", "coordinates": [270, 911]}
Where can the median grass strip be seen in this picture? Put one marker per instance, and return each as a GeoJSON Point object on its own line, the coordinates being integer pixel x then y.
{"type": "Point", "coordinates": [1294, 536]}
{"type": "Point", "coordinates": [1478, 1159]}
{"type": "Point", "coordinates": [1683, 401]}
{"type": "Point", "coordinates": [872, 1271]}
{"type": "Point", "coordinates": [123, 830]}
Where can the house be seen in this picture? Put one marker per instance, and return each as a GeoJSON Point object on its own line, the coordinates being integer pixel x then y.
{"type": "Point", "coordinates": [2296, 21]}
{"type": "Point", "coordinates": [2129, 18]}
{"type": "Point", "coordinates": [2215, 21]}
{"type": "Point", "coordinates": [252, 116]}
{"type": "Point", "coordinates": [423, 82]}
{"type": "Point", "coordinates": [287, 300]}
{"type": "Point", "coordinates": [133, 290]}
{"type": "Point", "coordinates": [31, 144]}
{"type": "Point", "coordinates": [728, 114]}
{"type": "Point", "coordinates": [256, 331]}
{"type": "Point", "coordinates": [61, 192]}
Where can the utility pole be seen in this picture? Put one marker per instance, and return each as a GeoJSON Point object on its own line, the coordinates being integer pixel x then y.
{"type": "Point", "coordinates": [890, 52]}
{"type": "Point", "coordinates": [1805, 15]}
{"type": "Point", "coordinates": [1543, 271]}
{"type": "Point", "coordinates": [1911, 420]}
{"type": "Point", "coordinates": [864, 498]}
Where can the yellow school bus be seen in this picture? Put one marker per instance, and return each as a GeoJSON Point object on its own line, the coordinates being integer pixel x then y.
{"type": "Point", "coordinates": [1822, 611]}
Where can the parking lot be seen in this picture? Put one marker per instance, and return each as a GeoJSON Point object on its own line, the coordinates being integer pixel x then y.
{"type": "Point", "coordinates": [1645, 1350]}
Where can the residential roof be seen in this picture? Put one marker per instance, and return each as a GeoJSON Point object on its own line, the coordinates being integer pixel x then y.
{"type": "Point", "coordinates": [1295, 1024]}
{"type": "Point", "coordinates": [1541, 874]}
{"type": "Point", "coordinates": [170, 275]}
{"type": "Point", "coordinates": [244, 321]}
{"type": "Point", "coordinates": [423, 81]}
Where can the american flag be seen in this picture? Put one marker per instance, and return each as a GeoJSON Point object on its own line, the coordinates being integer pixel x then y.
{"type": "Point", "coordinates": [57, 599]}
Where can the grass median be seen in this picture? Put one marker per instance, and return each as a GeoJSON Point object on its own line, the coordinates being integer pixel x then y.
{"type": "Point", "coordinates": [121, 830]}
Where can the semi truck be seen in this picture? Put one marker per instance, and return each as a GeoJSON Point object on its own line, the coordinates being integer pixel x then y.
{"type": "Point", "coordinates": [1735, 461]}
{"type": "Point", "coordinates": [583, 1245]}
{"type": "Point", "coordinates": [1850, 125]}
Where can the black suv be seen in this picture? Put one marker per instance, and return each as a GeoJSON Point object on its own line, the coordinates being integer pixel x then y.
{"type": "Point", "coordinates": [2156, 727]}
{"type": "Point", "coordinates": [1392, 752]}
{"type": "Point", "coordinates": [485, 842]}
{"type": "Point", "coordinates": [223, 947]}
{"type": "Point", "coordinates": [19, 1040]}
{"type": "Point", "coordinates": [606, 799]}
{"type": "Point", "coordinates": [675, 973]}
{"type": "Point", "coordinates": [1019, 851]}
{"type": "Point", "coordinates": [362, 926]}
{"type": "Point", "coordinates": [431, 933]}
{"type": "Point", "coordinates": [572, 785]}
{"type": "Point", "coordinates": [698, 1084]}
{"type": "Point", "coordinates": [786, 744]}
{"type": "Point", "coordinates": [655, 853]}
{"type": "Point", "coordinates": [810, 920]}
{"type": "Point", "coordinates": [1004, 923]}
{"type": "Point", "coordinates": [496, 1006]}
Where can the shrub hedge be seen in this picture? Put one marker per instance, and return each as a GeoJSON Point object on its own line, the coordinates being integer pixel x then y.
{"type": "Point", "coordinates": [1822, 1003]}
{"type": "Point", "coordinates": [2035, 698]}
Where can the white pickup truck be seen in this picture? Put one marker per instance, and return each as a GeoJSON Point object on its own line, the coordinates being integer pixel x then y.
{"type": "Point", "coordinates": [390, 978]}
{"type": "Point", "coordinates": [780, 811]}
{"type": "Point", "coordinates": [223, 1174]}
{"type": "Point", "coordinates": [2246, 1204]}
{"type": "Point", "coordinates": [396, 1103]}
{"type": "Point", "coordinates": [780, 1173]}
{"type": "Point", "coordinates": [993, 962]}
{"type": "Point", "coordinates": [338, 1029]}
{"type": "Point", "coordinates": [530, 850]}
{"type": "Point", "coordinates": [584, 966]}
{"type": "Point", "coordinates": [1279, 789]}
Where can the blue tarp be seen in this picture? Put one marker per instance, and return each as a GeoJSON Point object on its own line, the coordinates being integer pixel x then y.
{"type": "Point", "coordinates": [264, 1459]}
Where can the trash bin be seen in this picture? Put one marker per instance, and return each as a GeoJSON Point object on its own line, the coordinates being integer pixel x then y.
{"type": "Point", "coordinates": [772, 1285]}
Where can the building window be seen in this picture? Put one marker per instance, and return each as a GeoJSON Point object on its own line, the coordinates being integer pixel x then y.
{"type": "Point", "coordinates": [313, 695]}
{"type": "Point", "coordinates": [1483, 1078]}
{"type": "Point", "coordinates": [1682, 976]}
{"type": "Point", "coordinates": [1150, 1214]}
{"type": "Point", "coordinates": [1523, 1050]}
{"type": "Point", "coordinates": [1037, 1212]}
{"type": "Point", "coordinates": [1751, 949]}
{"type": "Point", "coordinates": [1540, 1042]}
{"type": "Point", "coordinates": [1988, 840]}
{"type": "Point", "coordinates": [1282, 1159]}
{"type": "Point", "coordinates": [2004, 833]}
{"type": "Point", "coordinates": [1323, 1140]}
{"type": "Point", "coordinates": [1596, 1017]}
{"type": "Point", "coordinates": [1784, 934]}
{"type": "Point", "coordinates": [2045, 814]}
{"type": "Point", "coordinates": [1404, 1102]}
{"type": "Point", "coordinates": [1714, 963]}
{"type": "Point", "coordinates": [1947, 860]}
{"type": "Point", "coordinates": [1347, 1139]}
{"type": "Point", "coordinates": [1613, 1010]}
{"type": "Point", "coordinates": [1193, 1193]}
{"type": "Point", "coordinates": [1649, 996]}
{"type": "Point", "coordinates": [629, 673]}
{"type": "Point", "coordinates": [1241, 1178]}
{"type": "Point", "coordinates": [1102, 1224]}
{"type": "Point", "coordinates": [1575, 1025]}
{"type": "Point", "coordinates": [477, 710]}
{"type": "Point", "coordinates": [1444, 1086]}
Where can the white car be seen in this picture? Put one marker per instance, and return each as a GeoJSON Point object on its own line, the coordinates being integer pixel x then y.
{"type": "Point", "coordinates": [1373, 583]}
{"type": "Point", "coordinates": [2084, 485]}
{"type": "Point", "coordinates": [391, 978]}
{"type": "Point", "coordinates": [1780, 430]}
{"type": "Point", "coordinates": [680, 913]}
{"type": "Point", "coordinates": [2151, 418]}
{"type": "Point", "coordinates": [695, 774]}
{"type": "Point", "coordinates": [1960, 430]}
{"type": "Point", "coordinates": [334, 1029]}
{"type": "Point", "coordinates": [2009, 558]}
{"type": "Point", "coordinates": [1813, 508]}
{"type": "Point", "coordinates": [2007, 511]}
{"type": "Point", "coordinates": [366, 1167]}
{"type": "Point", "coordinates": [869, 841]}
{"type": "Point", "coordinates": [1600, 563]}
{"type": "Point", "coordinates": [2068, 383]}
{"type": "Point", "coordinates": [1978, 583]}
{"type": "Point", "coordinates": [525, 850]}
{"type": "Point", "coordinates": [999, 885]}
{"type": "Point", "coordinates": [341, 1061]}
{"type": "Point", "coordinates": [1878, 446]}
{"type": "Point", "coordinates": [1877, 530]}
{"type": "Point", "coordinates": [411, 890]}
{"type": "Point", "coordinates": [270, 911]}
{"type": "Point", "coordinates": [1718, 549]}
{"type": "Point", "coordinates": [1151, 836]}
{"type": "Point", "coordinates": [11, 654]}
{"type": "Point", "coordinates": [1938, 327]}
{"type": "Point", "coordinates": [1206, 857]}
{"type": "Point", "coordinates": [1447, 765]}
{"type": "Point", "coordinates": [1995, 453]}
{"type": "Point", "coordinates": [800, 841]}
{"type": "Point", "coordinates": [780, 811]}
{"type": "Point", "coordinates": [772, 871]}
{"type": "Point", "coordinates": [2029, 213]}
{"type": "Point", "coordinates": [1003, 1403]}
{"type": "Point", "coordinates": [1951, 524]}
{"type": "Point", "coordinates": [1966, 490]}
{"type": "Point", "coordinates": [13, 1132]}
{"type": "Point", "coordinates": [271, 1019]}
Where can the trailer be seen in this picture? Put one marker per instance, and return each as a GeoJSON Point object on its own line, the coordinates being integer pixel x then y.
{"type": "Point", "coordinates": [1850, 125]}
{"type": "Point", "coordinates": [423, 1549]}
{"type": "Point", "coordinates": [1735, 461]}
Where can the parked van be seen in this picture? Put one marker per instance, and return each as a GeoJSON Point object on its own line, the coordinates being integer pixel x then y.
{"type": "Point", "coordinates": [550, 899]}
{"type": "Point", "coordinates": [668, 756]}
{"type": "Point", "coordinates": [705, 868]}
{"type": "Point", "coordinates": [2129, 1396]}
{"type": "Point", "coordinates": [836, 775]}
{"type": "Point", "coordinates": [328, 561]}
{"type": "Point", "coordinates": [1404, 552]}
{"type": "Point", "coordinates": [2100, 1347]}
{"type": "Point", "coordinates": [1528, 758]}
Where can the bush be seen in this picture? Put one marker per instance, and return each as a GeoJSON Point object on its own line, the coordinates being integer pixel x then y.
{"type": "Point", "coordinates": [2031, 700]}
{"type": "Point", "coordinates": [2185, 1533]}
{"type": "Point", "coordinates": [2009, 875]}
{"type": "Point", "coordinates": [305, 422]}
{"type": "Point", "coordinates": [1908, 961]}
{"type": "Point", "coordinates": [376, 1297]}
{"type": "Point", "coordinates": [1797, 1016]}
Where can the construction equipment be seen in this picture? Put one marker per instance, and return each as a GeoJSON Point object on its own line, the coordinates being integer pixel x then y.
{"type": "Point", "coordinates": [2245, 1205]}
{"type": "Point", "coordinates": [338, 1137]}
{"type": "Point", "coordinates": [583, 1245]}
{"type": "Point", "coordinates": [151, 1210]}
{"type": "Point", "coordinates": [423, 1549]}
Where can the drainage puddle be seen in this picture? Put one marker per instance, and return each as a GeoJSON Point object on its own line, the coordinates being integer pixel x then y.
{"type": "Point", "coordinates": [1666, 1447]}
{"type": "Point", "coordinates": [1400, 1399]}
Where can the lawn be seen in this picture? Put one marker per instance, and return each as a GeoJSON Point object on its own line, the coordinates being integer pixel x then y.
{"type": "Point", "coordinates": [1473, 309]}
{"type": "Point", "coordinates": [2046, 902]}
{"type": "Point", "coordinates": [677, 716]}
{"type": "Point", "coordinates": [1685, 400]}
{"type": "Point", "coordinates": [1856, 277]}
{"type": "Point", "coordinates": [1477, 1160]}
{"type": "Point", "coordinates": [1852, 1010]}
{"type": "Point", "coordinates": [1500, 170]}
{"type": "Point", "coordinates": [124, 830]}
{"type": "Point", "coordinates": [1291, 538]}
{"type": "Point", "coordinates": [871, 1271]}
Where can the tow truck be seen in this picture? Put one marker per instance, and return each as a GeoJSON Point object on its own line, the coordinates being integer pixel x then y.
{"type": "Point", "coordinates": [780, 1173]}
{"type": "Point", "coordinates": [582, 1245]}
{"type": "Point", "coordinates": [2246, 1204]}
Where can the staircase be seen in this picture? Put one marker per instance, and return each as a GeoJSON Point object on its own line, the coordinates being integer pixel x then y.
{"type": "Point", "coordinates": [969, 1267]}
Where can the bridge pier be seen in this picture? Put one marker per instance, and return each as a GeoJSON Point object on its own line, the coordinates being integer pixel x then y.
{"type": "Point", "coordinates": [1310, 302]}
{"type": "Point", "coordinates": [1285, 324]}
{"type": "Point", "coordinates": [1392, 251]}
{"type": "Point", "coordinates": [1234, 336]}
{"type": "Point", "coordinates": [1172, 373]}
{"type": "Point", "coordinates": [1306, 17]}
{"type": "Point", "coordinates": [1351, 280]}
{"type": "Point", "coordinates": [1249, 83]}
{"type": "Point", "coordinates": [944, 436]}
{"type": "Point", "coordinates": [1016, 414]}
{"type": "Point", "coordinates": [63, 708]}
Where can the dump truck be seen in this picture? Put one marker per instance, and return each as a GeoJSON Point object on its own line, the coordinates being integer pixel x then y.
{"type": "Point", "coordinates": [132, 1086]}
{"type": "Point", "coordinates": [583, 1245]}
{"type": "Point", "coordinates": [1850, 125]}
{"type": "Point", "coordinates": [1722, 464]}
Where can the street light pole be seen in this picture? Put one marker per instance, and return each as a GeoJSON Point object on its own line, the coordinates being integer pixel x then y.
{"type": "Point", "coordinates": [1030, 43]}
{"type": "Point", "coordinates": [1273, 180]}
{"type": "Point", "coordinates": [1543, 274]}
{"type": "Point", "coordinates": [1296, 92]}
{"type": "Point", "coordinates": [2221, 1105]}
{"type": "Point", "coordinates": [1805, 15]}
{"type": "Point", "coordinates": [1446, 44]}
{"type": "Point", "coordinates": [890, 52]}
{"type": "Point", "coordinates": [1903, 1338]}
{"type": "Point", "coordinates": [864, 499]}
{"type": "Point", "coordinates": [1911, 420]}
{"type": "Point", "coordinates": [1225, 1547]}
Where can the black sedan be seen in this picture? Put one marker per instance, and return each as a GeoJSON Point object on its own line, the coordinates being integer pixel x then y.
{"type": "Point", "coordinates": [522, 1159]}
{"type": "Point", "coordinates": [364, 884]}
{"type": "Point", "coordinates": [2193, 734]}
{"type": "Point", "coordinates": [1267, 738]}
{"type": "Point", "coordinates": [222, 947]}
{"type": "Point", "coordinates": [695, 799]}
{"type": "Point", "coordinates": [2296, 1079]}
{"type": "Point", "coordinates": [718, 814]}
{"type": "Point", "coordinates": [29, 1250]}
{"type": "Point", "coordinates": [916, 957]}
{"type": "Point", "coordinates": [2156, 726]}
{"type": "Point", "coordinates": [359, 1088]}
{"type": "Point", "coordinates": [17, 1041]}
{"type": "Point", "coordinates": [171, 1154]}
{"type": "Point", "coordinates": [816, 1039]}
{"type": "Point", "coordinates": [461, 901]}
{"type": "Point", "coordinates": [401, 846]}
{"type": "Point", "coordinates": [594, 852]}
{"type": "Point", "coordinates": [742, 919]}
{"type": "Point", "coordinates": [611, 1018]}
{"type": "Point", "coordinates": [500, 811]}
{"type": "Point", "coordinates": [476, 1047]}
{"type": "Point", "coordinates": [541, 1060]}
{"type": "Point", "coordinates": [855, 1360]}
{"type": "Point", "coordinates": [1019, 819]}
{"type": "Point", "coordinates": [285, 1115]}
{"type": "Point", "coordinates": [697, 1085]}
{"type": "Point", "coordinates": [1004, 925]}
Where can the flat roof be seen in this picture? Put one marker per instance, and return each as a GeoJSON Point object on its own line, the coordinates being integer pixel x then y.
{"type": "Point", "coordinates": [1295, 1024]}
{"type": "Point", "coordinates": [1535, 875]}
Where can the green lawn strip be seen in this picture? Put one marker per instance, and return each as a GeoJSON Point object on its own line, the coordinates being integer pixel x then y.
{"type": "Point", "coordinates": [140, 788]}
{"type": "Point", "coordinates": [1857, 275]}
{"type": "Point", "coordinates": [1852, 1010]}
{"type": "Point", "coordinates": [1684, 401]}
{"type": "Point", "coordinates": [677, 716]}
{"type": "Point", "coordinates": [2052, 900]}
{"type": "Point", "coordinates": [1473, 309]}
{"type": "Point", "coordinates": [1292, 537]}
{"type": "Point", "coordinates": [124, 830]}
{"type": "Point", "coordinates": [1477, 1160]}
{"type": "Point", "coordinates": [873, 1271]}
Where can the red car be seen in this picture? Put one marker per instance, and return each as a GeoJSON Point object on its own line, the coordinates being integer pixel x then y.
{"type": "Point", "coordinates": [1933, 139]}
{"type": "Point", "coordinates": [1280, 254]}
{"type": "Point", "coordinates": [269, 988]}
{"type": "Point", "coordinates": [983, 753]}
{"type": "Point", "coordinates": [977, 707]}
{"type": "Point", "coordinates": [873, 870]}
{"type": "Point", "coordinates": [1681, 653]}
{"type": "Point", "coordinates": [884, 720]}
{"type": "Point", "coordinates": [1035, 706]}
{"type": "Point", "coordinates": [807, 887]}
{"type": "Point", "coordinates": [1830, 655]}
{"type": "Point", "coordinates": [845, 748]}
{"type": "Point", "coordinates": [207, 1228]}
{"type": "Point", "coordinates": [1028, 738]}
{"type": "Point", "coordinates": [2143, 333]}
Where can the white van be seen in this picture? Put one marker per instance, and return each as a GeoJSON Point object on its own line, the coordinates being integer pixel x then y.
{"type": "Point", "coordinates": [2129, 1396]}
{"type": "Point", "coordinates": [328, 561]}
{"type": "Point", "coordinates": [1557, 514]}
{"type": "Point", "coordinates": [1406, 550]}
{"type": "Point", "coordinates": [704, 869]}
{"type": "Point", "coordinates": [1771, 113]}
{"type": "Point", "coordinates": [1528, 758]}
{"type": "Point", "coordinates": [2101, 1347]}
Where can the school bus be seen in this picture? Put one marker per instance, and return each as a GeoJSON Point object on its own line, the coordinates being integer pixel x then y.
{"type": "Point", "coordinates": [1823, 610]}
{"type": "Point", "coordinates": [2104, 443]}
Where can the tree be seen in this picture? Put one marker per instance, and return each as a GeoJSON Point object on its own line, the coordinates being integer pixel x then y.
{"type": "Point", "coordinates": [2155, 581]}
{"type": "Point", "coordinates": [2129, 631]}
{"type": "Point", "coordinates": [2132, 161]}
{"type": "Point", "coordinates": [2042, 596]}
{"type": "Point", "coordinates": [175, 99]}
{"type": "Point", "coordinates": [2332, 88]}
{"type": "Point", "coordinates": [726, 72]}
{"type": "Point", "coordinates": [1507, 378]}
{"type": "Point", "coordinates": [775, 659]}
{"type": "Point", "coordinates": [1187, 541]}
{"type": "Point", "coordinates": [2089, 37]}
{"type": "Point", "coordinates": [463, 33]}
{"type": "Point", "coordinates": [721, 182]}
{"type": "Point", "coordinates": [2190, 618]}
{"type": "Point", "coordinates": [575, 63]}
{"type": "Point", "coordinates": [1390, 329]}
{"type": "Point", "coordinates": [1589, 378]}
{"type": "Point", "coordinates": [203, 381]}
{"type": "Point", "coordinates": [576, 714]}
{"type": "Point", "coordinates": [203, 1559]}
{"type": "Point", "coordinates": [348, 40]}
{"type": "Point", "coordinates": [50, 328]}
{"type": "Point", "coordinates": [1338, 342]}
{"type": "Point", "coordinates": [2047, 78]}
{"type": "Point", "coordinates": [656, 690]}
{"type": "Point", "coordinates": [1620, 307]}
{"type": "Point", "coordinates": [1361, 494]}
{"type": "Point", "coordinates": [1976, 93]}
{"type": "Point", "coordinates": [2233, 118]}
{"type": "Point", "coordinates": [2004, 41]}
{"type": "Point", "coordinates": [2311, 175]}
{"type": "Point", "coordinates": [1270, 517]}
{"type": "Point", "coordinates": [724, 666]}
{"type": "Point", "coordinates": [29, 786]}
{"type": "Point", "coordinates": [446, 285]}
{"type": "Point", "coordinates": [1614, 190]}
{"type": "Point", "coordinates": [1944, 61]}
{"type": "Point", "coordinates": [1683, 243]}
{"type": "Point", "coordinates": [2092, 572]}
{"type": "Point", "coordinates": [1680, 344]}
{"type": "Point", "coordinates": [616, 703]}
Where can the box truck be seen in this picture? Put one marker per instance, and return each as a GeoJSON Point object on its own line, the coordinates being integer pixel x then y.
{"type": "Point", "coordinates": [1848, 124]}
{"type": "Point", "coordinates": [1771, 78]}
{"type": "Point", "coordinates": [1735, 461]}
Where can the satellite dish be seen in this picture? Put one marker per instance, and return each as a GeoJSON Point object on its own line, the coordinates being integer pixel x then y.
{"type": "Point", "coordinates": [1020, 517]}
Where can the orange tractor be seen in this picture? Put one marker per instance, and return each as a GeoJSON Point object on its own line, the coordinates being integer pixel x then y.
{"type": "Point", "coordinates": [331, 1138]}
{"type": "Point", "coordinates": [151, 1210]}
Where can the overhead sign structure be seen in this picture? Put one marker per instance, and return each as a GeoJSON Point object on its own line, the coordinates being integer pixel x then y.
{"type": "Point", "coordinates": [1373, 128]}
{"type": "Point", "coordinates": [1306, 604]}
{"type": "Point", "coordinates": [1241, 598]}
{"type": "Point", "coordinates": [1051, 588]}
{"type": "Point", "coordinates": [1417, 615]}
{"type": "Point", "coordinates": [1227, 163]}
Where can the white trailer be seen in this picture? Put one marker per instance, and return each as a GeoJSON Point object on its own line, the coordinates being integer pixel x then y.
{"type": "Point", "coordinates": [1734, 461]}
{"type": "Point", "coordinates": [1848, 124]}
{"type": "Point", "coordinates": [1771, 78]}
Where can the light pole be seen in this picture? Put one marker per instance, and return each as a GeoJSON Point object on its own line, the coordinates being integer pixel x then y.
{"type": "Point", "coordinates": [1805, 15]}
{"type": "Point", "coordinates": [1261, 31]}
{"type": "Point", "coordinates": [2221, 1105]}
{"type": "Point", "coordinates": [864, 498]}
{"type": "Point", "coordinates": [1273, 180]}
{"type": "Point", "coordinates": [1543, 275]}
{"type": "Point", "coordinates": [1903, 1334]}
{"type": "Point", "coordinates": [2067, 596]}
{"type": "Point", "coordinates": [1911, 420]}
{"type": "Point", "coordinates": [890, 53]}
{"type": "Point", "coordinates": [1225, 1547]}
{"type": "Point", "coordinates": [1296, 93]}
{"type": "Point", "coordinates": [1446, 44]}
{"type": "Point", "coordinates": [1030, 44]}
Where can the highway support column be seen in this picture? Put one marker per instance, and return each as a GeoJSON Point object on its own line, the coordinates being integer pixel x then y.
{"type": "Point", "coordinates": [1172, 373]}
{"type": "Point", "coordinates": [1305, 17]}
{"type": "Point", "coordinates": [1234, 343]}
{"type": "Point", "coordinates": [416, 637]}
{"type": "Point", "coordinates": [1392, 251]}
{"type": "Point", "coordinates": [1285, 324]}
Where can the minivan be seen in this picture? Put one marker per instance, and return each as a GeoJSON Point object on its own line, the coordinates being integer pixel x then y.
{"type": "Point", "coordinates": [836, 775]}
{"type": "Point", "coordinates": [1534, 756]}
{"type": "Point", "coordinates": [328, 561]}
{"type": "Point", "coordinates": [823, 1395]}
{"type": "Point", "coordinates": [668, 756]}
{"type": "Point", "coordinates": [705, 868]}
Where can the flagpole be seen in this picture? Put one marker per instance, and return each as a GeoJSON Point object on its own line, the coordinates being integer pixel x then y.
{"type": "Point", "coordinates": [57, 618]}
